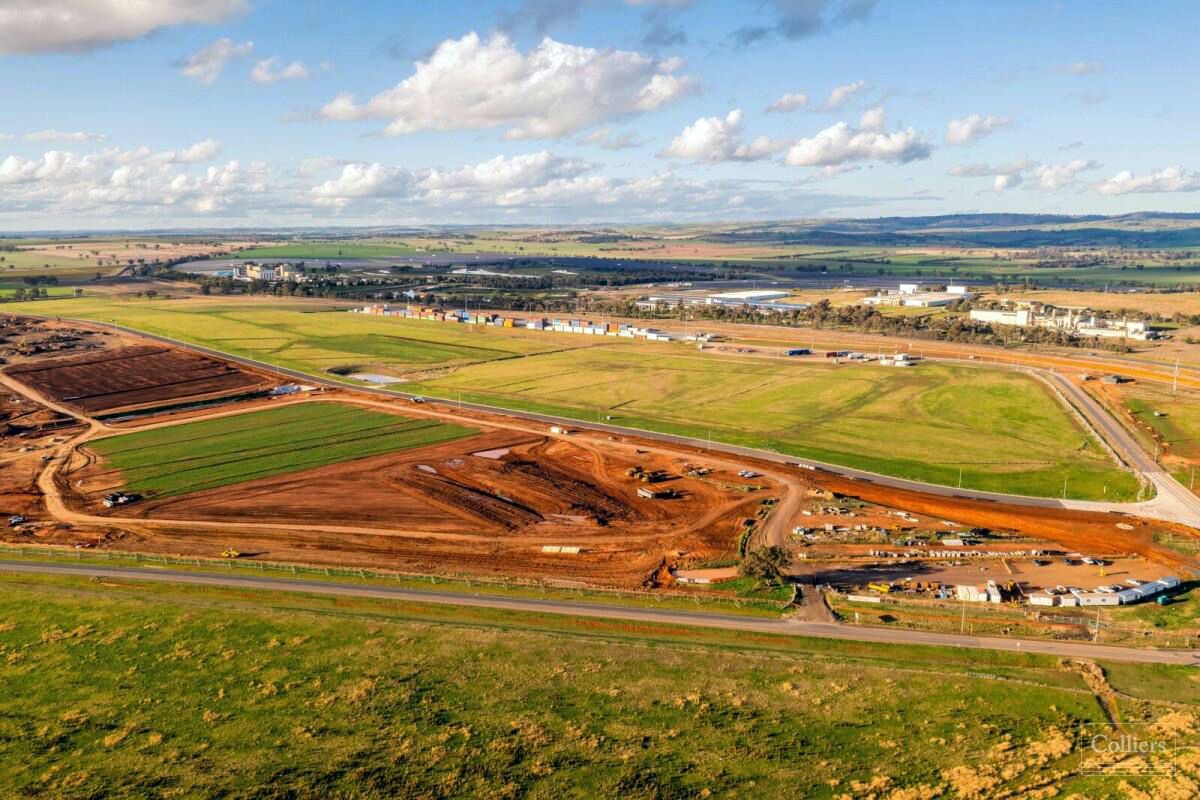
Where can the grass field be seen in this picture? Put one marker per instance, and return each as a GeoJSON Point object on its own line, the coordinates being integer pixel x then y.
{"type": "Point", "coordinates": [8, 290]}
{"type": "Point", "coordinates": [1003, 430]}
{"type": "Point", "coordinates": [1177, 426]}
{"type": "Point", "coordinates": [327, 250]}
{"type": "Point", "coordinates": [304, 335]}
{"type": "Point", "coordinates": [218, 452]}
{"type": "Point", "coordinates": [114, 688]}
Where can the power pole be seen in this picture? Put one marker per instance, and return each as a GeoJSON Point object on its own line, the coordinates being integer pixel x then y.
{"type": "Point", "coordinates": [1175, 382]}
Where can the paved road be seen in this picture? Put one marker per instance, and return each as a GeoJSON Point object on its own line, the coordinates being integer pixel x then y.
{"type": "Point", "coordinates": [596, 610]}
{"type": "Point", "coordinates": [1173, 501]}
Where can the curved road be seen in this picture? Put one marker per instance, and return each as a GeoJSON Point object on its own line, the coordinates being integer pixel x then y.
{"type": "Point", "coordinates": [595, 610]}
{"type": "Point", "coordinates": [1173, 504]}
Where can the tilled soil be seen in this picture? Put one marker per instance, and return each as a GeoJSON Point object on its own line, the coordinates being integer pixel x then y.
{"type": "Point", "coordinates": [444, 509]}
{"type": "Point", "coordinates": [128, 378]}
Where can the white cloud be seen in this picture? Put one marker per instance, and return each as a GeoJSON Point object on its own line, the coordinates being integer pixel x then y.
{"type": "Point", "coordinates": [271, 70]}
{"type": "Point", "coordinates": [714, 139]}
{"type": "Point", "coordinates": [987, 170]}
{"type": "Point", "coordinates": [1006, 181]}
{"type": "Point", "coordinates": [1168, 179]}
{"type": "Point", "coordinates": [707, 139]}
{"type": "Point", "coordinates": [51, 135]}
{"type": "Point", "coordinates": [505, 172]}
{"type": "Point", "coordinates": [840, 145]}
{"type": "Point", "coordinates": [41, 26]}
{"type": "Point", "coordinates": [551, 91]}
{"type": "Point", "coordinates": [606, 139]}
{"type": "Point", "coordinates": [204, 150]}
{"type": "Point", "coordinates": [840, 95]}
{"type": "Point", "coordinates": [362, 180]}
{"type": "Point", "coordinates": [206, 65]}
{"type": "Point", "coordinates": [1084, 68]}
{"type": "Point", "coordinates": [791, 101]}
{"type": "Point", "coordinates": [1053, 177]}
{"type": "Point", "coordinates": [113, 183]}
{"type": "Point", "coordinates": [1047, 177]}
{"type": "Point", "coordinates": [973, 127]}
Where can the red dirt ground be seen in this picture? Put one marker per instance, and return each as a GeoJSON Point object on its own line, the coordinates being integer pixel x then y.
{"type": "Point", "coordinates": [447, 508]}
{"type": "Point", "coordinates": [129, 378]}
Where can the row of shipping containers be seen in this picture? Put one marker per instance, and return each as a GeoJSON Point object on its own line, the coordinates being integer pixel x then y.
{"type": "Point", "coordinates": [580, 326]}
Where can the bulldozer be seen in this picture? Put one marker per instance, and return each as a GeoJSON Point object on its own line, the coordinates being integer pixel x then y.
{"type": "Point", "coordinates": [230, 553]}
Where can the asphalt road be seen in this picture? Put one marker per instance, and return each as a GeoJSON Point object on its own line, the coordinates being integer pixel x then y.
{"type": "Point", "coordinates": [595, 610]}
{"type": "Point", "coordinates": [685, 441]}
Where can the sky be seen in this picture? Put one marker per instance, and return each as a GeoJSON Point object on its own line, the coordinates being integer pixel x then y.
{"type": "Point", "coordinates": [257, 113]}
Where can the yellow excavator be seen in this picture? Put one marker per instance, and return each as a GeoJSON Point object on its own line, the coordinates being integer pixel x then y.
{"type": "Point", "coordinates": [230, 553]}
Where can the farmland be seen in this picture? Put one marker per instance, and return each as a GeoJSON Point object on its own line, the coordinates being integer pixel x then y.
{"type": "Point", "coordinates": [207, 691]}
{"type": "Point", "coordinates": [327, 250]}
{"type": "Point", "coordinates": [129, 378]}
{"type": "Point", "coordinates": [1003, 430]}
{"type": "Point", "coordinates": [304, 336]}
{"type": "Point", "coordinates": [81, 258]}
{"type": "Point", "coordinates": [219, 452]}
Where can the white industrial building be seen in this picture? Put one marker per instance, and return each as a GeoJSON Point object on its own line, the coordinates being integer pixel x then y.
{"type": "Point", "coordinates": [914, 295]}
{"type": "Point", "coordinates": [1074, 321]}
{"type": "Point", "coordinates": [758, 299]}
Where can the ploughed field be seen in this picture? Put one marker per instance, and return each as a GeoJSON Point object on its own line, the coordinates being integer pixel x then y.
{"type": "Point", "coordinates": [130, 378]}
{"type": "Point", "coordinates": [217, 452]}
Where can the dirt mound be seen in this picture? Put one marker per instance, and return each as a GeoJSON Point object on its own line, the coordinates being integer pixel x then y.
{"type": "Point", "coordinates": [457, 498]}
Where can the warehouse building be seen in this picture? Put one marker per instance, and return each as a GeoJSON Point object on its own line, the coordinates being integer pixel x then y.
{"type": "Point", "coordinates": [914, 295]}
{"type": "Point", "coordinates": [1073, 321]}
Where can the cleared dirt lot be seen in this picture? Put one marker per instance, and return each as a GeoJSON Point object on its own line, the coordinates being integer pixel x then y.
{"type": "Point", "coordinates": [125, 379]}
{"type": "Point", "coordinates": [489, 503]}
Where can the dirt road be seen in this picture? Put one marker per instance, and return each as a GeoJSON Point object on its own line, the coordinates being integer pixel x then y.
{"type": "Point", "coordinates": [679, 618]}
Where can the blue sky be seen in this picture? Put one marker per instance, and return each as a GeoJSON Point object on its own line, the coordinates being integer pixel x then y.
{"type": "Point", "coordinates": [263, 112]}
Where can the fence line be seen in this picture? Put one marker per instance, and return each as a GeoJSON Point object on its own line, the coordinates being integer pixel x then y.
{"type": "Point", "coordinates": [357, 572]}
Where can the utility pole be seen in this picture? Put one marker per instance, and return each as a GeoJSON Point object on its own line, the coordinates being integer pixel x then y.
{"type": "Point", "coordinates": [1064, 487]}
{"type": "Point", "coordinates": [960, 477]}
{"type": "Point", "coordinates": [1175, 382]}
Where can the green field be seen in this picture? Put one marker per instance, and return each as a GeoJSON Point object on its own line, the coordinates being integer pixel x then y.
{"type": "Point", "coordinates": [307, 336]}
{"type": "Point", "coordinates": [1003, 430]}
{"type": "Point", "coordinates": [8, 290]}
{"type": "Point", "coordinates": [118, 689]}
{"type": "Point", "coordinates": [204, 455]}
{"type": "Point", "coordinates": [332, 250]}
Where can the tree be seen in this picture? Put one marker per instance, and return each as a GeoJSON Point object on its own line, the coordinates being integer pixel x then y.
{"type": "Point", "coordinates": [766, 564]}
